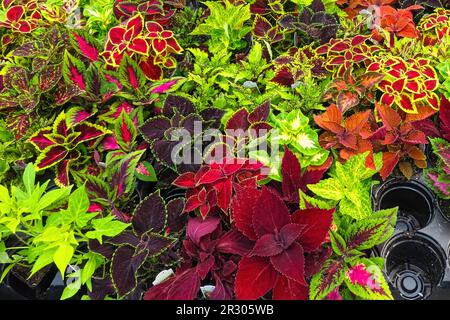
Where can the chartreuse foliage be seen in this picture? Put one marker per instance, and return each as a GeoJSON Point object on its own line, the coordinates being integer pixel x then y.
{"type": "Point", "coordinates": [49, 227]}
{"type": "Point", "coordinates": [226, 26]}
{"type": "Point", "coordinates": [348, 187]}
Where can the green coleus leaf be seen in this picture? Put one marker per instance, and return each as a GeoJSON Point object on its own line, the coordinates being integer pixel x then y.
{"type": "Point", "coordinates": [328, 189]}
{"type": "Point", "coordinates": [62, 256]}
{"type": "Point", "coordinates": [366, 280]}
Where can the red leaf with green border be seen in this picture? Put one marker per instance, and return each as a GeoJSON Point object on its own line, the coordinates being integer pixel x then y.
{"type": "Point", "coordinates": [85, 44]}
{"type": "Point", "coordinates": [131, 76]}
{"type": "Point", "coordinates": [50, 156]}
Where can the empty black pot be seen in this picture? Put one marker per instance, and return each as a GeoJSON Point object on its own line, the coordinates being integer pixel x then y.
{"type": "Point", "coordinates": [415, 265]}
{"type": "Point", "coordinates": [416, 203]}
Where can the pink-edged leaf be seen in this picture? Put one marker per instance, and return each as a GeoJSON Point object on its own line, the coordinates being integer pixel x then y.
{"type": "Point", "coordinates": [291, 263]}
{"type": "Point", "coordinates": [255, 277]}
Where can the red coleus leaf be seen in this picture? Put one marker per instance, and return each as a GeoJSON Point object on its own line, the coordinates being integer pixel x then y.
{"type": "Point", "coordinates": [270, 214]}
{"type": "Point", "coordinates": [318, 222]}
{"type": "Point", "coordinates": [40, 139]}
{"type": "Point", "coordinates": [287, 289]}
{"type": "Point", "coordinates": [260, 113]}
{"type": "Point", "coordinates": [255, 277]}
{"type": "Point", "coordinates": [243, 203]}
{"type": "Point", "coordinates": [261, 26]}
{"type": "Point", "coordinates": [15, 13]}
{"type": "Point", "coordinates": [291, 263]}
{"type": "Point", "coordinates": [292, 180]}
{"type": "Point", "coordinates": [89, 132]}
{"type": "Point", "coordinates": [186, 180]}
{"type": "Point", "coordinates": [267, 246]}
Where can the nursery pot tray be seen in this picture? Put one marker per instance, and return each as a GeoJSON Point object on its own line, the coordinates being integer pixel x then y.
{"type": "Point", "coordinates": [417, 256]}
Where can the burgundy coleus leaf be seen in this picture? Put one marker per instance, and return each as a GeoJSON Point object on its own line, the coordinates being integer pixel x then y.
{"type": "Point", "coordinates": [198, 228]}
{"type": "Point", "coordinates": [234, 242]}
{"type": "Point", "coordinates": [41, 139]}
{"type": "Point", "coordinates": [85, 44]}
{"type": "Point", "coordinates": [50, 156]}
{"type": "Point", "coordinates": [317, 222]}
{"type": "Point", "coordinates": [270, 214]}
{"type": "Point", "coordinates": [260, 113]}
{"type": "Point", "coordinates": [63, 167]}
{"type": "Point", "coordinates": [261, 26]}
{"type": "Point", "coordinates": [89, 132]}
{"type": "Point", "coordinates": [150, 215]}
{"type": "Point", "coordinates": [242, 206]}
{"type": "Point", "coordinates": [287, 289]}
{"type": "Point", "coordinates": [124, 266]}
{"type": "Point", "coordinates": [291, 172]}
{"type": "Point", "coordinates": [184, 286]}
{"type": "Point", "coordinates": [255, 278]}
{"type": "Point", "coordinates": [74, 71]}
{"type": "Point", "coordinates": [291, 263]}
{"type": "Point", "coordinates": [239, 121]}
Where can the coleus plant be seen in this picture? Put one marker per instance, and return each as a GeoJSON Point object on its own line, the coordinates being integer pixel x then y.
{"type": "Point", "coordinates": [213, 185]}
{"type": "Point", "coordinates": [398, 22]}
{"type": "Point", "coordinates": [152, 46]}
{"type": "Point", "coordinates": [410, 84]}
{"type": "Point", "coordinates": [153, 10]}
{"type": "Point", "coordinates": [297, 64]}
{"type": "Point", "coordinates": [348, 188]}
{"type": "Point", "coordinates": [402, 140]}
{"type": "Point", "coordinates": [347, 53]}
{"type": "Point", "coordinates": [154, 225]}
{"type": "Point", "coordinates": [264, 30]}
{"type": "Point", "coordinates": [211, 255]}
{"type": "Point", "coordinates": [293, 130]}
{"type": "Point", "coordinates": [348, 270]}
{"type": "Point", "coordinates": [282, 255]}
{"type": "Point", "coordinates": [21, 17]}
{"type": "Point", "coordinates": [435, 27]}
{"type": "Point", "coordinates": [64, 145]}
{"type": "Point", "coordinates": [178, 117]}
{"type": "Point", "coordinates": [438, 178]}
{"type": "Point", "coordinates": [350, 91]}
{"type": "Point", "coordinates": [313, 22]}
{"type": "Point", "coordinates": [350, 136]}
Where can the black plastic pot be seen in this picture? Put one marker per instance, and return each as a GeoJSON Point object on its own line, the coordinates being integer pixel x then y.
{"type": "Point", "coordinates": [417, 256]}
{"type": "Point", "coordinates": [415, 265]}
{"type": "Point", "coordinates": [416, 203]}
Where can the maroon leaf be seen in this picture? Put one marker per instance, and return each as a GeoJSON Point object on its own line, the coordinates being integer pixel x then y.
{"type": "Point", "coordinates": [242, 209]}
{"type": "Point", "coordinates": [233, 242]}
{"type": "Point", "coordinates": [270, 213]}
{"type": "Point", "coordinates": [286, 289]}
{"type": "Point", "coordinates": [318, 224]}
{"type": "Point", "coordinates": [198, 228]}
{"type": "Point", "coordinates": [51, 156]}
{"type": "Point", "coordinates": [255, 278]}
{"type": "Point", "coordinates": [291, 263]}
{"type": "Point", "coordinates": [239, 121]}
{"type": "Point", "coordinates": [261, 113]}
{"type": "Point", "coordinates": [267, 246]}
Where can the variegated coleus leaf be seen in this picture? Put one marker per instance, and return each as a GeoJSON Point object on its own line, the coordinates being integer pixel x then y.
{"type": "Point", "coordinates": [125, 131]}
{"type": "Point", "coordinates": [74, 71]}
{"type": "Point", "coordinates": [366, 280]}
{"type": "Point", "coordinates": [85, 44]}
{"type": "Point", "coordinates": [438, 178]}
{"type": "Point", "coordinates": [329, 278]}
{"type": "Point", "coordinates": [131, 75]}
{"type": "Point", "coordinates": [58, 145]}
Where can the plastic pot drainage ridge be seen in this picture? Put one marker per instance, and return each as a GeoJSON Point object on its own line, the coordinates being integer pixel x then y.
{"type": "Point", "coordinates": [417, 256]}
